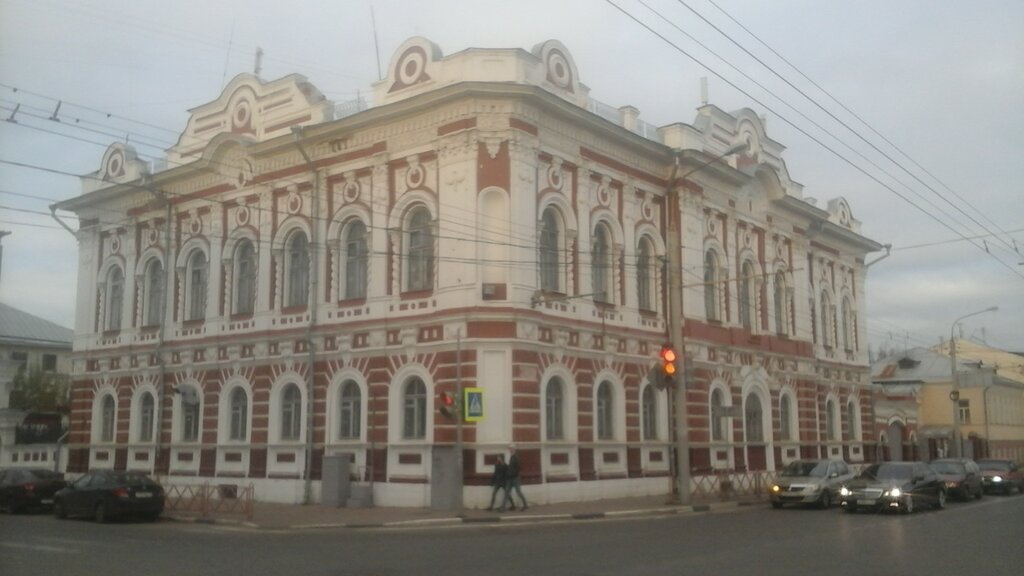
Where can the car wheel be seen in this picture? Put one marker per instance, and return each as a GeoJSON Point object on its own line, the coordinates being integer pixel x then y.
{"type": "Point", "coordinates": [980, 494]}
{"type": "Point", "coordinates": [908, 505]}
{"type": "Point", "coordinates": [151, 517]}
{"type": "Point", "coordinates": [776, 505]}
{"type": "Point", "coordinates": [100, 514]}
{"type": "Point", "coordinates": [59, 512]}
{"type": "Point", "coordinates": [826, 500]}
{"type": "Point", "coordinates": [940, 502]}
{"type": "Point", "coordinates": [850, 509]}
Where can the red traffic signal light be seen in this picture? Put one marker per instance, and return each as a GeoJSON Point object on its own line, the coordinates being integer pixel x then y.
{"type": "Point", "coordinates": [668, 364]}
{"type": "Point", "coordinates": [446, 403]}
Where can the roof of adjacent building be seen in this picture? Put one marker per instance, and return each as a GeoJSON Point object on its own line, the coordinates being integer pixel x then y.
{"type": "Point", "coordinates": [24, 329]}
{"type": "Point", "coordinates": [1007, 364]}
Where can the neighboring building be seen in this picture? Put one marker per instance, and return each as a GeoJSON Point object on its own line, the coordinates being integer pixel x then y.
{"type": "Point", "coordinates": [302, 280]}
{"type": "Point", "coordinates": [991, 407]}
{"type": "Point", "coordinates": [25, 341]}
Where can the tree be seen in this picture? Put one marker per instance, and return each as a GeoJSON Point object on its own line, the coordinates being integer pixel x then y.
{"type": "Point", "coordinates": [38, 391]}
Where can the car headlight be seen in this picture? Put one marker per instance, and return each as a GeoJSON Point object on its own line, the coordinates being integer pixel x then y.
{"type": "Point", "coordinates": [895, 492]}
{"type": "Point", "coordinates": [844, 491]}
{"type": "Point", "coordinates": [776, 488]}
{"type": "Point", "coordinates": [997, 478]}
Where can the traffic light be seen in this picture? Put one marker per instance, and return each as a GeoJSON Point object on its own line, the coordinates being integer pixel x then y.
{"type": "Point", "coordinates": [446, 404]}
{"type": "Point", "coordinates": [668, 365]}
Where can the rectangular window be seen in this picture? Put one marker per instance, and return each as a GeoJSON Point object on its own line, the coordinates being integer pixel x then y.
{"type": "Point", "coordinates": [50, 362]}
{"type": "Point", "coordinates": [964, 407]}
{"type": "Point", "coordinates": [190, 422]}
{"type": "Point", "coordinates": [20, 360]}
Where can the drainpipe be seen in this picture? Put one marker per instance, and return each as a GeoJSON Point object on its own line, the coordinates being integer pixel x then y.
{"type": "Point", "coordinates": [161, 335]}
{"type": "Point", "coordinates": [314, 265]}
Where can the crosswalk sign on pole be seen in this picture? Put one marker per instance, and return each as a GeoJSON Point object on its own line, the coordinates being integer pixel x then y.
{"type": "Point", "coordinates": [473, 404]}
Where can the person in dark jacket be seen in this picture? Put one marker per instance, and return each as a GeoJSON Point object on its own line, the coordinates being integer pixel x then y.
{"type": "Point", "coordinates": [498, 480]}
{"type": "Point", "coordinates": [512, 481]}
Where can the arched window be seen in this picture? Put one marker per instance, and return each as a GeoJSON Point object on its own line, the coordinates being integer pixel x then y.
{"type": "Point", "coordinates": [781, 294]}
{"type": "Point", "coordinates": [414, 410]}
{"type": "Point", "coordinates": [644, 275]}
{"type": "Point", "coordinates": [605, 411]}
{"type": "Point", "coordinates": [753, 419]}
{"type": "Point", "coordinates": [554, 406]}
{"type": "Point", "coordinates": [852, 419]}
{"type": "Point", "coordinates": [147, 410]}
{"type": "Point", "coordinates": [350, 411]}
{"type": "Point", "coordinates": [356, 260]}
{"type": "Point", "coordinates": [649, 413]}
{"type": "Point", "coordinates": [785, 417]}
{"type": "Point", "coordinates": [711, 285]}
{"type": "Point", "coordinates": [297, 265]}
{"type": "Point", "coordinates": [420, 250]}
{"type": "Point", "coordinates": [746, 294]}
{"type": "Point", "coordinates": [847, 328]}
{"type": "Point", "coordinates": [601, 263]}
{"type": "Point", "coordinates": [245, 278]}
{"type": "Point", "coordinates": [717, 416]}
{"type": "Point", "coordinates": [830, 420]}
{"type": "Point", "coordinates": [115, 298]}
{"type": "Point", "coordinates": [550, 234]}
{"type": "Point", "coordinates": [190, 414]}
{"type": "Point", "coordinates": [107, 419]}
{"type": "Point", "coordinates": [197, 282]}
{"type": "Point", "coordinates": [827, 322]}
{"type": "Point", "coordinates": [154, 293]}
{"type": "Point", "coordinates": [291, 413]}
{"type": "Point", "coordinates": [239, 415]}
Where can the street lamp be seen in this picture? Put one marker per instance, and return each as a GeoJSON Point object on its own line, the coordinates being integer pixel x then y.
{"type": "Point", "coordinates": [673, 244]}
{"type": "Point", "coordinates": [954, 394]}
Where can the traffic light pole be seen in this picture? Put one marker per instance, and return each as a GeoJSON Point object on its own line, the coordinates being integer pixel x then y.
{"type": "Point", "coordinates": [673, 245]}
{"type": "Point", "coordinates": [460, 413]}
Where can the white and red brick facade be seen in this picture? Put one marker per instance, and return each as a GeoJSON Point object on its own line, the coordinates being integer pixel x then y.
{"type": "Point", "coordinates": [288, 264]}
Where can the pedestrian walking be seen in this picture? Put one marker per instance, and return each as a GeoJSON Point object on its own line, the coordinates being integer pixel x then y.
{"type": "Point", "coordinates": [512, 481]}
{"type": "Point", "coordinates": [498, 480]}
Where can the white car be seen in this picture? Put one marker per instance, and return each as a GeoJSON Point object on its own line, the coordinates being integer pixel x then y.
{"type": "Point", "coordinates": [809, 482]}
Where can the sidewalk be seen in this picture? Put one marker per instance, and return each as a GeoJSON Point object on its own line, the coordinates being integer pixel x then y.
{"type": "Point", "coordinates": [297, 517]}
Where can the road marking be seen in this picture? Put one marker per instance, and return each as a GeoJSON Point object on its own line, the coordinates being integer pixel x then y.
{"type": "Point", "coordinates": [40, 548]}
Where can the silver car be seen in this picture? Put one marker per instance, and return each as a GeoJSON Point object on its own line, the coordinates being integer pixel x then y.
{"type": "Point", "coordinates": [809, 482]}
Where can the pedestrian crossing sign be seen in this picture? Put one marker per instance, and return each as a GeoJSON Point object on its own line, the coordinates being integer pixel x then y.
{"type": "Point", "coordinates": [473, 404]}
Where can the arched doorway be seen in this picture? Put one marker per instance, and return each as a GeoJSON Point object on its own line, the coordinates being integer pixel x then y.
{"type": "Point", "coordinates": [895, 436]}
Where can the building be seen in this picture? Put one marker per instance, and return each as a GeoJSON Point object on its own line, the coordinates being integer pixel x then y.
{"type": "Point", "coordinates": [919, 382]}
{"type": "Point", "coordinates": [26, 341]}
{"type": "Point", "coordinates": [302, 280]}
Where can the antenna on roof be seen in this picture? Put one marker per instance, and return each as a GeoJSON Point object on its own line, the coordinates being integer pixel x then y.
{"type": "Point", "coordinates": [703, 90]}
{"type": "Point", "coordinates": [259, 61]}
{"type": "Point", "coordinates": [376, 45]}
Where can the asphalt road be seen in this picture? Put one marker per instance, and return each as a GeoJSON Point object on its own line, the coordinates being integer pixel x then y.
{"type": "Point", "coordinates": [984, 538]}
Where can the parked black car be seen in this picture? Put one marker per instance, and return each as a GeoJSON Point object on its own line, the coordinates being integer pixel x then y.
{"type": "Point", "coordinates": [896, 486]}
{"type": "Point", "coordinates": [106, 494]}
{"type": "Point", "coordinates": [962, 477]}
{"type": "Point", "coordinates": [24, 489]}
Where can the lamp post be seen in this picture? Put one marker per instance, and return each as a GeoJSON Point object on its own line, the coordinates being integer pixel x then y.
{"type": "Point", "coordinates": [673, 244]}
{"type": "Point", "coordinates": [954, 394]}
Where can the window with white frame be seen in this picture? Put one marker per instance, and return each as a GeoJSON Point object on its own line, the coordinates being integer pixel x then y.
{"type": "Point", "coordinates": [115, 298]}
{"type": "Point", "coordinates": [550, 243]}
{"type": "Point", "coordinates": [753, 419]}
{"type": "Point", "coordinates": [746, 294]}
{"type": "Point", "coordinates": [245, 278]}
{"type": "Point", "coordinates": [239, 419]}
{"type": "Point", "coordinates": [297, 267]}
{"type": "Point", "coordinates": [108, 415]}
{"type": "Point", "coordinates": [785, 417]}
{"type": "Point", "coordinates": [847, 327]}
{"type": "Point", "coordinates": [419, 268]}
{"type": "Point", "coordinates": [291, 413]}
{"type": "Point", "coordinates": [781, 295]}
{"type": "Point", "coordinates": [649, 413]}
{"type": "Point", "coordinates": [601, 263]}
{"type": "Point", "coordinates": [350, 405]}
{"type": "Point", "coordinates": [197, 281]}
{"type": "Point", "coordinates": [147, 411]}
{"type": "Point", "coordinates": [645, 274]}
{"type": "Point", "coordinates": [605, 415]}
{"type": "Point", "coordinates": [717, 415]}
{"type": "Point", "coordinates": [190, 414]}
{"type": "Point", "coordinates": [356, 255]}
{"type": "Point", "coordinates": [827, 320]}
{"type": "Point", "coordinates": [154, 292]}
{"type": "Point", "coordinates": [711, 286]}
{"type": "Point", "coordinates": [853, 419]}
{"type": "Point", "coordinates": [554, 409]}
{"type": "Point", "coordinates": [964, 411]}
{"type": "Point", "coordinates": [831, 417]}
{"type": "Point", "coordinates": [414, 409]}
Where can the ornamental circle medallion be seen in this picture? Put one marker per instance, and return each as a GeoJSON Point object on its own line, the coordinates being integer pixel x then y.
{"type": "Point", "coordinates": [241, 115]}
{"type": "Point", "coordinates": [350, 191]}
{"type": "Point", "coordinates": [294, 202]}
{"type": "Point", "coordinates": [604, 195]}
{"type": "Point", "coordinates": [555, 177]}
{"type": "Point", "coordinates": [152, 236]}
{"type": "Point", "coordinates": [195, 225]}
{"type": "Point", "coordinates": [646, 209]}
{"type": "Point", "coordinates": [711, 226]}
{"type": "Point", "coordinates": [746, 239]}
{"type": "Point", "coordinates": [411, 67]}
{"type": "Point", "coordinates": [414, 176]}
{"type": "Point", "coordinates": [115, 164]}
{"type": "Point", "coordinates": [115, 244]}
{"type": "Point", "coordinates": [242, 215]}
{"type": "Point", "coordinates": [558, 69]}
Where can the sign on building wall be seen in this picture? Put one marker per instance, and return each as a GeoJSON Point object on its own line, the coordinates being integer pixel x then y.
{"type": "Point", "coordinates": [473, 404]}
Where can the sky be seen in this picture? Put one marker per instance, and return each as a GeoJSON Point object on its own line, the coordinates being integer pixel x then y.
{"type": "Point", "coordinates": [922, 132]}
